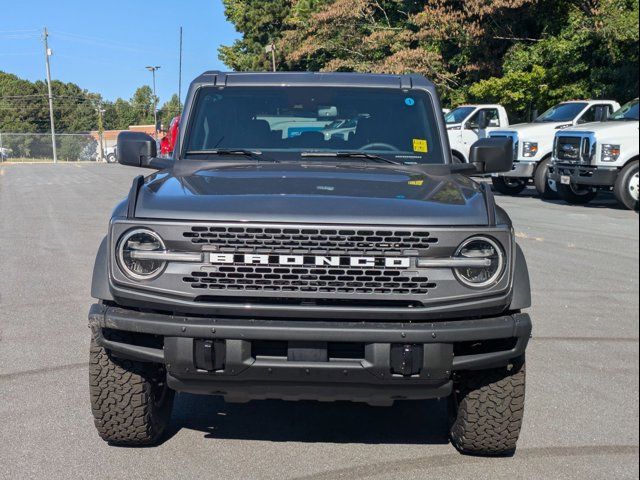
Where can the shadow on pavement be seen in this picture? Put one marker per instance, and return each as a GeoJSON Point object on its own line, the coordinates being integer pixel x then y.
{"type": "Point", "coordinates": [603, 200]}
{"type": "Point", "coordinates": [410, 422]}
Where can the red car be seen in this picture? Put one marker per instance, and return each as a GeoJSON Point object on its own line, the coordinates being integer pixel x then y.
{"type": "Point", "coordinates": [168, 142]}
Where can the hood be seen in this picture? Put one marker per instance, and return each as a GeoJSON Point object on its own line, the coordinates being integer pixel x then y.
{"type": "Point", "coordinates": [604, 128]}
{"type": "Point", "coordinates": [532, 130]}
{"type": "Point", "coordinates": [331, 194]}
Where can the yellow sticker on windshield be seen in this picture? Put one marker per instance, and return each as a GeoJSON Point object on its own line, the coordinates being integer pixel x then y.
{"type": "Point", "coordinates": [416, 183]}
{"type": "Point", "coordinates": [420, 146]}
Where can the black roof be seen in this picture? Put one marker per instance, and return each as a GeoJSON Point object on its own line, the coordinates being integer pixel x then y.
{"type": "Point", "coordinates": [343, 79]}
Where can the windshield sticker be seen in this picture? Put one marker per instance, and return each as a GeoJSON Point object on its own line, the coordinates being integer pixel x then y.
{"type": "Point", "coordinates": [420, 145]}
{"type": "Point", "coordinates": [416, 183]}
{"type": "Point", "coordinates": [409, 102]}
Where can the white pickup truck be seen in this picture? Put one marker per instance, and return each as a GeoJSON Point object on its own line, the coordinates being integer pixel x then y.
{"type": "Point", "coordinates": [599, 156]}
{"type": "Point", "coordinates": [533, 143]}
{"type": "Point", "coordinates": [467, 124]}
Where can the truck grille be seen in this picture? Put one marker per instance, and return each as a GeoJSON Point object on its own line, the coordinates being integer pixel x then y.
{"type": "Point", "coordinates": [268, 278]}
{"type": "Point", "coordinates": [573, 149]}
{"type": "Point", "coordinates": [569, 149]}
{"type": "Point", "coordinates": [309, 241]}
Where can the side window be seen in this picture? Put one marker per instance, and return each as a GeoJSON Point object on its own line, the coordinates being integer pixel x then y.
{"type": "Point", "coordinates": [472, 123]}
{"type": "Point", "coordinates": [492, 116]}
{"type": "Point", "coordinates": [590, 115]}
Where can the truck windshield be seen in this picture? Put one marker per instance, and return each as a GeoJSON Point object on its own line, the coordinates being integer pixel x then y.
{"type": "Point", "coordinates": [292, 123]}
{"type": "Point", "coordinates": [564, 112]}
{"type": "Point", "coordinates": [628, 112]}
{"type": "Point", "coordinates": [457, 115]}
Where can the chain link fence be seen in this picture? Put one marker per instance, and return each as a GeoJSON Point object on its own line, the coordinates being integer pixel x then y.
{"type": "Point", "coordinates": [37, 147]}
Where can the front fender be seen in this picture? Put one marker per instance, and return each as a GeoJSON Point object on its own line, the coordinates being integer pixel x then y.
{"type": "Point", "coordinates": [521, 284]}
{"type": "Point", "coordinates": [100, 281]}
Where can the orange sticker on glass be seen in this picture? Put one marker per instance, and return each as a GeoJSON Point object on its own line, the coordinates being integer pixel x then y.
{"type": "Point", "coordinates": [420, 146]}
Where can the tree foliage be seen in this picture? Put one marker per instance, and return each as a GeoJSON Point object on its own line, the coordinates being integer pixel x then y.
{"type": "Point", "coordinates": [524, 53]}
{"type": "Point", "coordinates": [24, 107]}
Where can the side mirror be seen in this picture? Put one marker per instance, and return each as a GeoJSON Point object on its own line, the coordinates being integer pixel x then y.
{"type": "Point", "coordinates": [602, 113]}
{"type": "Point", "coordinates": [137, 149]}
{"type": "Point", "coordinates": [492, 155]}
{"type": "Point", "coordinates": [483, 120]}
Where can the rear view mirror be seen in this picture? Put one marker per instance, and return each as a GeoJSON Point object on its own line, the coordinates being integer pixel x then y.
{"type": "Point", "coordinates": [492, 155]}
{"type": "Point", "coordinates": [137, 149]}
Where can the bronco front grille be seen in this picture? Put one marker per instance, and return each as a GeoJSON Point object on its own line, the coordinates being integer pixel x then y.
{"type": "Point", "coordinates": [312, 280]}
{"type": "Point", "coordinates": [309, 241]}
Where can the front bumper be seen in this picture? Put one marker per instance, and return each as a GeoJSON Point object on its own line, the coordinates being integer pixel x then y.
{"type": "Point", "coordinates": [521, 169]}
{"type": "Point", "coordinates": [249, 359]}
{"type": "Point", "coordinates": [584, 174]}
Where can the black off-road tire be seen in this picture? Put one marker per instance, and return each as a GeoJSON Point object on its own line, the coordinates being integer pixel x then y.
{"type": "Point", "coordinates": [486, 410]}
{"type": "Point", "coordinates": [111, 158]}
{"type": "Point", "coordinates": [576, 196]}
{"type": "Point", "coordinates": [625, 184]}
{"type": "Point", "coordinates": [541, 180]}
{"type": "Point", "coordinates": [130, 401]}
{"type": "Point", "coordinates": [509, 186]}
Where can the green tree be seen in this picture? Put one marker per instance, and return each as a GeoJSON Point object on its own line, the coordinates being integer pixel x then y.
{"type": "Point", "coordinates": [573, 48]}
{"type": "Point", "coordinates": [169, 110]}
{"type": "Point", "coordinates": [142, 103]}
{"type": "Point", "coordinates": [260, 22]}
{"type": "Point", "coordinates": [593, 53]}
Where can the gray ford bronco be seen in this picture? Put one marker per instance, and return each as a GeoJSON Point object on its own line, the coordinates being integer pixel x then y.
{"type": "Point", "coordinates": [311, 239]}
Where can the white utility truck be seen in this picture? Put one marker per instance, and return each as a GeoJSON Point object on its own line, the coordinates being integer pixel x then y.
{"type": "Point", "coordinates": [533, 143]}
{"type": "Point", "coordinates": [467, 124]}
{"type": "Point", "coordinates": [599, 156]}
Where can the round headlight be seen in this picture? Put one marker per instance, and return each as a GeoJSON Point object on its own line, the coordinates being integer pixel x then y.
{"type": "Point", "coordinates": [480, 248]}
{"type": "Point", "coordinates": [131, 252]}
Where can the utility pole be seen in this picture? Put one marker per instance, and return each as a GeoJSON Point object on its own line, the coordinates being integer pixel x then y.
{"type": "Point", "coordinates": [47, 55]}
{"type": "Point", "coordinates": [180, 74]}
{"type": "Point", "coordinates": [155, 99]}
{"type": "Point", "coordinates": [101, 129]}
{"type": "Point", "coordinates": [271, 48]}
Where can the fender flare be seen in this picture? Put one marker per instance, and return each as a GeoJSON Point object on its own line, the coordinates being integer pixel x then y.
{"type": "Point", "coordinates": [521, 298]}
{"type": "Point", "coordinates": [100, 281]}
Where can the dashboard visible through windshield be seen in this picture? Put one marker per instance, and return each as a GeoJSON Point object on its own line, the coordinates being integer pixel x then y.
{"type": "Point", "coordinates": [297, 122]}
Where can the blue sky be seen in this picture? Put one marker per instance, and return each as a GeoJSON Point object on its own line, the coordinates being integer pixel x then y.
{"type": "Point", "coordinates": [104, 46]}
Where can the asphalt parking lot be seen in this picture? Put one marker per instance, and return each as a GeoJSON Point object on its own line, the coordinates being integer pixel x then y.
{"type": "Point", "coordinates": [581, 417]}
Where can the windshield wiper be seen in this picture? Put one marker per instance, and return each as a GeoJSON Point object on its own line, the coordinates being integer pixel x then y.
{"type": "Point", "coordinates": [363, 155]}
{"type": "Point", "coordinates": [228, 151]}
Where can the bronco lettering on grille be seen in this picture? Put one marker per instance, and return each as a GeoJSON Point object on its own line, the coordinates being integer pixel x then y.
{"type": "Point", "coordinates": [299, 260]}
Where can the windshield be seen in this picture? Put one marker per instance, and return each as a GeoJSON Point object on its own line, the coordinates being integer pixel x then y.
{"type": "Point", "coordinates": [627, 112]}
{"type": "Point", "coordinates": [564, 112]}
{"type": "Point", "coordinates": [457, 115]}
{"type": "Point", "coordinates": [295, 122]}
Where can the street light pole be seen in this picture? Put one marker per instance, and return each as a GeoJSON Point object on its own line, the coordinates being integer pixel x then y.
{"type": "Point", "coordinates": [155, 99]}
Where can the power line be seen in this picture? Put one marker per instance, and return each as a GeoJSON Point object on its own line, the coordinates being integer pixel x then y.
{"type": "Point", "coordinates": [101, 42]}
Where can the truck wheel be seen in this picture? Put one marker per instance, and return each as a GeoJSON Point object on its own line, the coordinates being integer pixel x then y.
{"type": "Point", "coordinates": [626, 187]}
{"type": "Point", "coordinates": [576, 195]}
{"type": "Point", "coordinates": [487, 409]}
{"type": "Point", "coordinates": [509, 185]}
{"type": "Point", "coordinates": [130, 401]}
{"type": "Point", "coordinates": [457, 158]}
{"type": "Point", "coordinates": [541, 181]}
{"type": "Point", "coordinates": [111, 158]}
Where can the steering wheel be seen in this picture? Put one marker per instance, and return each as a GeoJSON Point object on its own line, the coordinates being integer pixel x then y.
{"type": "Point", "coordinates": [386, 146]}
